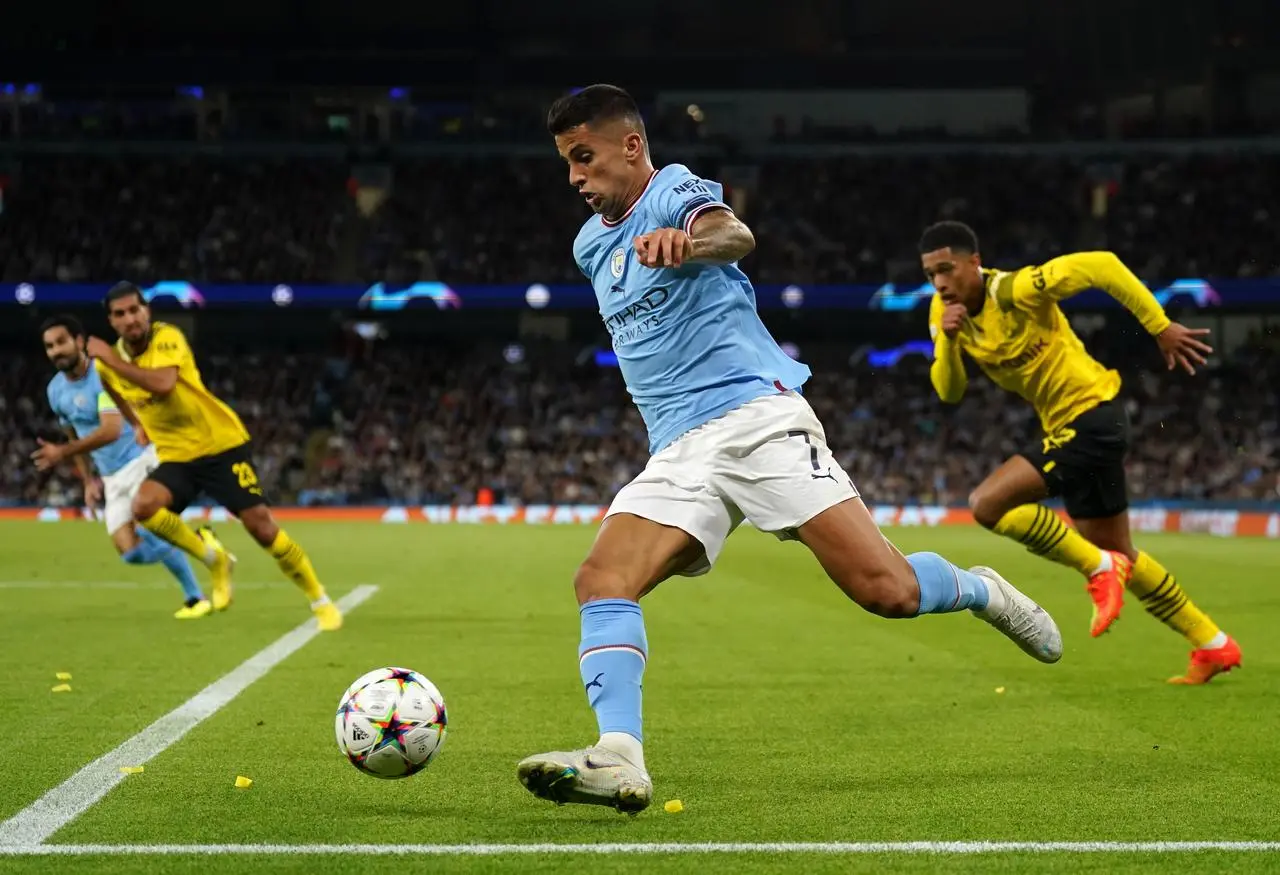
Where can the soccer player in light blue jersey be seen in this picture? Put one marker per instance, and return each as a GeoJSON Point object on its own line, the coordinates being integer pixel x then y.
{"type": "Point", "coordinates": [730, 436]}
{"type": "Point", "coordinates": [97, 430]}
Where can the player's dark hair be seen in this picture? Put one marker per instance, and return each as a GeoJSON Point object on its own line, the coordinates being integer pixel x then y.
{"type": "Point", "coordinates": [63, 320]}
{"type": "Point", "coordinates": [122, 289]}
{"type": "Point", "coordinates": [595, 103]}
{"type": "Point", "coordinates": [956, 236]}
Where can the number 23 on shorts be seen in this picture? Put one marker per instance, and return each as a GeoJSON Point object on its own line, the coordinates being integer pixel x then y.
{"type": "Point", "coordinates": [246, 477]}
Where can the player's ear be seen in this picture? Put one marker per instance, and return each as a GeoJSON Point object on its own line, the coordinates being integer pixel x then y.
{"type": "Point", "coordinates": [633, 146]}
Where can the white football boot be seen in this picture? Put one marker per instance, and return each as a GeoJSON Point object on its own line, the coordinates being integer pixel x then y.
{"type": "Point", "coordinates": [1020, 619]}
{"type": "Point", "coordinates": [593, 776]}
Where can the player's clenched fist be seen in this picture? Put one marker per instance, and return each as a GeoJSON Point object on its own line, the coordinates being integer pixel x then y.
{"type": "Point", "coordinates": [665, 247]}
{"type": "Point", "coordinates": [953, 318]}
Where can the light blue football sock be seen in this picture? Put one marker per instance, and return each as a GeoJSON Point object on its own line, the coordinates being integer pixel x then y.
{"type": "Point", "coordinates": [151, 549]}
{"type": "Point", "coordinates": [944, 588]}
{"type": "Point", "coordinates": [611, 659]}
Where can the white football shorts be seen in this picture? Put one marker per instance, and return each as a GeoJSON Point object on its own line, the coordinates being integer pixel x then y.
{"type": "Point", "coordinates": [118, 489]}
{"type": "Point", "coordinates": [766, 461]}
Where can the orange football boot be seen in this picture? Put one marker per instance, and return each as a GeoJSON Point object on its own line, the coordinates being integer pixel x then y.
{"type": "Point", "coordinates": [1106, 588]}
{"type": "Point", "coordinates": [1206, 664]}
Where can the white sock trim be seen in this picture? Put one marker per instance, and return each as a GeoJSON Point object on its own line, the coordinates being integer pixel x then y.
{"type": "Point", "coordinates": [1214, 643]}
{"type": "Point", "coordinates": [624, 744]}
{"type": "Point", "coordinates": [1105, 565]}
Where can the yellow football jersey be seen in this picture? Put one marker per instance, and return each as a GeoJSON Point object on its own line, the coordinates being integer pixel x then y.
{"type": "Point", "coordinates": [1023, 342]}
{"type": "Point", "coordinates": [188, 423]}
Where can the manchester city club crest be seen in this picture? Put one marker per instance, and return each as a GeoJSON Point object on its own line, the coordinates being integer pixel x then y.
{"type": "Point", "coordinates": [617, 262]}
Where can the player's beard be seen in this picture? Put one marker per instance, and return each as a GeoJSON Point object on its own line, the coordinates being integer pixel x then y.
{"type": "Point", "coordinates": [68, 364]}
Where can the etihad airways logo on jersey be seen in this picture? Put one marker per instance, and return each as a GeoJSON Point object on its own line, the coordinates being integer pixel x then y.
{"type": "Point", "coordinates": [637, 318]}
{"type": "Point", "coordinates": [1026, 357]}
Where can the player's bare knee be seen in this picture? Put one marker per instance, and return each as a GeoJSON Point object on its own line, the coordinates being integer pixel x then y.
{"type": "Point", "coordinates": [145, 506]}
{"type": "Point", "coordinates": [987, 511]}
{"type": "Point", "coordinates": [594, 581]}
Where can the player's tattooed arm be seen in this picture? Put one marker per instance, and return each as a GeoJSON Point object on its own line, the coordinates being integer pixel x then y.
{"type": "Point", "coordinates": [720, 237]}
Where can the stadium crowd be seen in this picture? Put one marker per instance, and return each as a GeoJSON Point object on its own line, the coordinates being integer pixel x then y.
{"type": "Point", "coordinates": [512, 220]}
{"type": "Point", "coordinates": [410, 425]}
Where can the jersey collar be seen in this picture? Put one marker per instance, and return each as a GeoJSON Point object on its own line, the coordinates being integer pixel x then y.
{"type": "Point", "coordinates": [631, 208]}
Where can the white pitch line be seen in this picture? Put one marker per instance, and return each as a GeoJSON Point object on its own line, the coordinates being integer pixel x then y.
{"type": "Point", "coordinates": [655, 848]}
{"type": "Point", "coordinates": [64, 803]}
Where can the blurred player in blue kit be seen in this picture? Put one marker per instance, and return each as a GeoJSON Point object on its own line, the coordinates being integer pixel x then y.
{"type": "Point", "coordinates": [730, 439]}
{"type": "Point", "coordinates": [124, 458]}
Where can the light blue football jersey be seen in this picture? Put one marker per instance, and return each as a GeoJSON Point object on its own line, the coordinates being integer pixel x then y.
{"type": "Point", "coordinates": [79, 404]}
{"type": "Point", "coordinates": [690, 344]}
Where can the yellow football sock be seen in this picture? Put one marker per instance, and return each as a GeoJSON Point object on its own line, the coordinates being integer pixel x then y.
{"type": "Point", "coordinates": [293, 561]}
{"type": "Point", "coordinates": [1044, 533]}
{"type": "Point", "coordinates": [1164, 599]}
{"type": "Point", "coordinates": [168, 525]}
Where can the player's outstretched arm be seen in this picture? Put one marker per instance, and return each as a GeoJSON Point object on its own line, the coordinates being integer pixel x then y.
{"type": "Point", "coordinates": [1070, 274]}
{"type": "Point", "coordinates": [157, 381]}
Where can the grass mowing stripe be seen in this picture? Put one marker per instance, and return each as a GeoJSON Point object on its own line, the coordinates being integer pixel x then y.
{"type": "Point", "coordinates": [480, 850]}
{"type": "Point", "coordinates": [64, 803]}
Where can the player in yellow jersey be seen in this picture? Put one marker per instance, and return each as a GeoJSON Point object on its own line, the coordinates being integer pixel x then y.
{"type": "Point", "coordinates": [203, 448]}
{"type": "Point", "coordinates": [1009, 322]}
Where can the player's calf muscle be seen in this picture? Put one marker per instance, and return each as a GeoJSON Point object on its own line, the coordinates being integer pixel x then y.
{"type": "Point", "coordinates": [260, 525]}
{"type": "Point", "coordinates": [858, 559]}
{"type": "Point", "coordinates": [884, 591]}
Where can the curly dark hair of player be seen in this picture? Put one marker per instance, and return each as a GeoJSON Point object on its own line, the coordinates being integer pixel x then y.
{"type": "Point", "coordinates": [63, 320]}
{"type": "Point", "coordinates": [956, 236]}
{"type": "Point", "coordinates": [122, 289]}
{"type": "Point", "coordinates": [593, 104]}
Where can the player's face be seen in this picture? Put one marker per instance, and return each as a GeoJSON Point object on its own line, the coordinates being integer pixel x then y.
{"type": "Point", "coordinates": [63, 349]}
{"type": "Point", "coordinates": [956, 275]}
{"type": "Point", "coordinates": [130, 317]}
{"type": "Point", "coordinates": [604, 163]}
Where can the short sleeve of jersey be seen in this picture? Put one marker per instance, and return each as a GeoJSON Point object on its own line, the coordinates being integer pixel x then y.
{"type": "Point", "coordinates": [52, 394]}
{"type": "Point", "coordinates": [107, 404]}
{"type": "Point", "coordinates": [682, 197]}
{"type": "Point", "coordinates": [169, 349]}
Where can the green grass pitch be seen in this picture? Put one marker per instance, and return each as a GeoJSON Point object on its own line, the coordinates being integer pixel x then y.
{"type": "Point", "coordinates": [775, 710]}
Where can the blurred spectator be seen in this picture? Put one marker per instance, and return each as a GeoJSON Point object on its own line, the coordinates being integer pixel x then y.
{"type": "Point", "coordinates": [513, 219]}
{"type": "Point", "coordinates": [418, 426]}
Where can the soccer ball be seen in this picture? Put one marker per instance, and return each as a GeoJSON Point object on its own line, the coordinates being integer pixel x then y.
{"type": "Point", "coordinates": [391, 723]}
